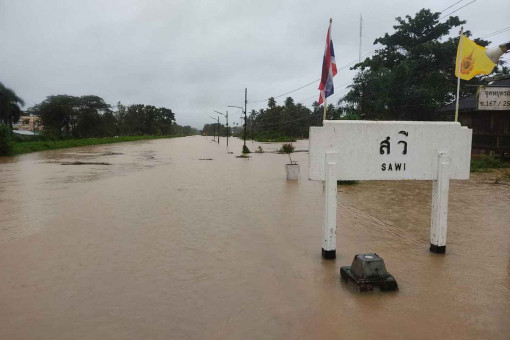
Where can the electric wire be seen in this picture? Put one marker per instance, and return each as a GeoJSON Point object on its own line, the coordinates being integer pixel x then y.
{"type": "Point", "coordinates": [502, 30]}
{"type": "Point", "coordinates": [451, 6]}
{"type": "Point", "coordinates": [458, 9]}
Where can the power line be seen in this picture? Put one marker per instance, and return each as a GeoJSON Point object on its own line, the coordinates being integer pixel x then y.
{"type": "Point", "coordinates": [281, 95]}
{"type": "Point", "coordinates": [451, 6]}
{"type": "Point", "coordinates": [458, 9]}
{"type": "Point", "coordinates": [353, 62]}
{"type": "Point", "coordinates": [502, 30]}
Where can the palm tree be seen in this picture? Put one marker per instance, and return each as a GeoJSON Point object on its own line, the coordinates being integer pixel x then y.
{"type": "Point", "coordinates": [271, 103]}
{"type": "Point", "coordinates": [10, 103]}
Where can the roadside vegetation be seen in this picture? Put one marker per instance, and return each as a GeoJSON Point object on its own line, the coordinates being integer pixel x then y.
{"type": "Point", "coordinates": [499, 168]}
{"type": "Point", "coordinates": [41, 144]}
{"type": "Point", "coordinates": [272, 137]}
{"type": "Point", "coordinates": [287, 148]}
{"type": "Point", "coordinates": [70, 121]}
{"type": "Point", "coordinates": [485, 163]}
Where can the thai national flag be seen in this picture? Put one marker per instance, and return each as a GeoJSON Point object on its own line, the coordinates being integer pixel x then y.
{"type": "Point", "coordinates": [328, 70]}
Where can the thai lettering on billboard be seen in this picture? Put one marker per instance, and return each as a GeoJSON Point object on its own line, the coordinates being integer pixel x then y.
{"type": "Point", "coordinates": [493, 98]}
{"type": "Point", "coordinates": [390, 150]}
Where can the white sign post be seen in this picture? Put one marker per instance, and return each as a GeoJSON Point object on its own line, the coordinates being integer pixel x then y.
{"type": "Point", "coordinates": [389, 150]}
{"type": "Point", "coordinates": [329, 224]}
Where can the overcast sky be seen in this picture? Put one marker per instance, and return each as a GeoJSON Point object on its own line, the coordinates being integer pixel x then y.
{"type": "Point", "coordinates": [198, 56]}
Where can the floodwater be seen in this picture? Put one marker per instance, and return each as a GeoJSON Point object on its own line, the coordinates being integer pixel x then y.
{"type": "Point", "coordinates": [153, 241]}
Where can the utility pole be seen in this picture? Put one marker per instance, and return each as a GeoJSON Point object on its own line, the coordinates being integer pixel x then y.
{"type": "Point", "coordinates": [214, 129]}
{"type": "Point", "coordinates": [218, 129]}
{"type": "Point", "coordinates": [226, 116]}
{"type": "Point", "coordinates": [245, 148]}
{"type": "Point", "coordinates": [245, 121]}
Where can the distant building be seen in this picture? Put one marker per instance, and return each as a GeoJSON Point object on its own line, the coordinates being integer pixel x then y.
{"type": "Point", "coordinates": [29, 123]}
{"type": "Point", "coordinates": [491, 127]}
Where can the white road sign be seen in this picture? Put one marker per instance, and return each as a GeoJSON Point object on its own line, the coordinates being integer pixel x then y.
{"type": "Point", "coordinates": [389, 150]}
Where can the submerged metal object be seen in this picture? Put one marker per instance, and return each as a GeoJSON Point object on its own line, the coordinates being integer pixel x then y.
{"type": "Point", "coordinates": [368, 270]}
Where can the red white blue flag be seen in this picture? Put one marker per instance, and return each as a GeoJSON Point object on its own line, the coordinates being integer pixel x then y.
{"type": "Point", "coordinates": [328, 69]}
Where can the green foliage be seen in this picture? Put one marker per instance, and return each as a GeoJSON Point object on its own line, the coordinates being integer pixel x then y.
{"type": "Point", "coordinates": [212, 129]}
{"type": "Point", "coordinates": [10, 106]}
{"type": "Point", "coordinates": [284, 123]}
{"type": "Point", "coordinates": [281, 123]}
{"type": "Point", "coordinates": [245, 149]}
{"type": "Point", "coordinates": [5, 140]}
{"type": "Point", "coordinates": [144, 119]}
{"type": "Point", "coordinates": [484, 163]}
{"type": "Point", "coordinates": [91, 116]}
{"type": "Point", "coordinates": [272, 137]}
{"type": "Point", "coordinates": [64, 115]}
{"type": "Point", "coordinates": [286, 148]}
{"type": "Point", "coordinates": [412, 75]}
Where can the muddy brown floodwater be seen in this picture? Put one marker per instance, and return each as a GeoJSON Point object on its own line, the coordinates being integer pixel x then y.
{"type": "Point", "coordinates": [145, 240]}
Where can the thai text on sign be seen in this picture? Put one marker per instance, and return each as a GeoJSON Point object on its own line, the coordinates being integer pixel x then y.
{"type": "Point", "coordinates": [493, 98]}
{"type": "Point", "coordinates": [389, 150]}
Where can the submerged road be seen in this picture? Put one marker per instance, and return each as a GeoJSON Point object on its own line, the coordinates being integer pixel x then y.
{"type": "Point", "coordinates": [150, 240]}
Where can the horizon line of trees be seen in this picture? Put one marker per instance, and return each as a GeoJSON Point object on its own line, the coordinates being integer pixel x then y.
{"type": "Point", "coordinates": [90, 116]}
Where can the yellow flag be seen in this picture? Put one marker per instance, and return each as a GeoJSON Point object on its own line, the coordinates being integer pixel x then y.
{"type": "Point", "coordinates": [473, 59]}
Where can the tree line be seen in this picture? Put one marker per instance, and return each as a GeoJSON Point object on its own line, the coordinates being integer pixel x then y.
{"type": "Point", "coordinates": [91, 116]}
{"type": "Point", "coordinates": [65, 116]}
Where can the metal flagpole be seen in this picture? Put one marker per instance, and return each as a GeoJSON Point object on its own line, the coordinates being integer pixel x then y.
{"type": "Point", "coordinates": [327, 47]}
{"type": "Point", "coordinates": [325, 105]}
{"type": "Point", "coordinates": [459, 61]}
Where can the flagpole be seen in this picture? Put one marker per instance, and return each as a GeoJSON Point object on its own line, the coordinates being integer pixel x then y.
{"type": "Point", "coordinates": [325, 105]}
{"type": "Point", "coordinates": [325, 99]}
{"type": "Point", "coordinates": [459, 61]}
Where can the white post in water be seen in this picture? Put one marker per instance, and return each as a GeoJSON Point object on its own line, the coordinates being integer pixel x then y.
{"type": "Point", "coordinates": [329, 225]}
{"type": "Point", "coordinates": [439, 216]}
